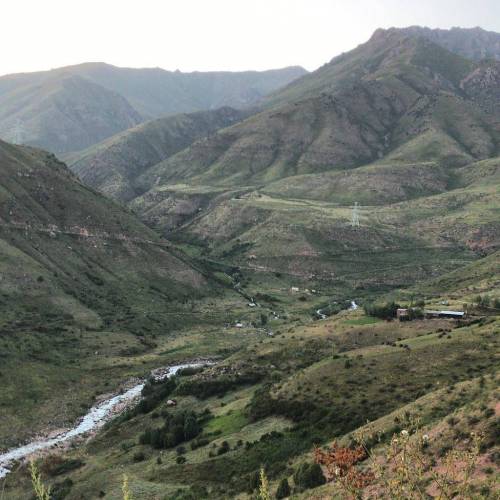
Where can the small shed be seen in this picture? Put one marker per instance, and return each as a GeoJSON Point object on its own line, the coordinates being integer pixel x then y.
{"type": "Point", "coordinates": [402, 314]}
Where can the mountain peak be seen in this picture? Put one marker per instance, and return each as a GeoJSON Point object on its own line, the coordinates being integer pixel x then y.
{"type": "Point", "coordinates": [472, 43]}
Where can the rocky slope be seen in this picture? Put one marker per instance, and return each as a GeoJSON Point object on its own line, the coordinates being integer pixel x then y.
{"type": "Point", "coordinates": [472, 43]}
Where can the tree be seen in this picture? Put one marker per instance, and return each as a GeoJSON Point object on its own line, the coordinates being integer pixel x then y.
{"type": "Point", "coordinates": [283, 490]}
{"type": "Point", "coordinates": [263, 319]}
{"type": "Point", "coordinates": [191, 427]}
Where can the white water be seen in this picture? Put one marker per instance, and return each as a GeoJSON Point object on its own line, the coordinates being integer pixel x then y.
{"type": "Point", "coordinates": [353, 307]}
{"type": "Point", "coordinates": [94, 419]}
{"type": "Point", "coordinates": [320, 314]}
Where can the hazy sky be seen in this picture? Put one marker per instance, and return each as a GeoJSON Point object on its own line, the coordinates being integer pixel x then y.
{"type": "Point", "coordinates": [212, 34]}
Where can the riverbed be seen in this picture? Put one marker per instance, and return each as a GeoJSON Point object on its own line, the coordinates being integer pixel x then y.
{"type": "Point", "coordinates": [96, 417]}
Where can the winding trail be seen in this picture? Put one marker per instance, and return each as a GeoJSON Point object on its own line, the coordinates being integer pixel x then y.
{"type": "Point", "coordinates": [97, 416]}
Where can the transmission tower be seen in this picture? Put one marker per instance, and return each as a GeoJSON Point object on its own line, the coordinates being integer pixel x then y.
{"type": "Point", "coordinates": [18, 132]}
{"type": "Point", "coordinates": [355, 215]}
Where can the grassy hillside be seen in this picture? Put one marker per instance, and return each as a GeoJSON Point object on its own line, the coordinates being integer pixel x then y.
{"type": "Point", "coordinates": [113, 165]}
{"type": "Point", "coordinates": [399, 125]}
{"type": "Point", "coordinates": [85, 287]}
{"type": "Point", "coordinates": [275, 398]}
{"type": "Point", "coordinates": [408, 107]}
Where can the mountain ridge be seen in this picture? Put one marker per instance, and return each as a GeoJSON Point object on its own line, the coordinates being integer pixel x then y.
{"type": "Point", "coordinates": [139, 94]}
{"type": "Point", "coordinates": [113, 165]}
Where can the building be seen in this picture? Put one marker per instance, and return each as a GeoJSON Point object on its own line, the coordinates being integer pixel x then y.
{"type": "Point", "coordinates": [402, 314]}
{"type": "Point", "coordinates": [444, 314]}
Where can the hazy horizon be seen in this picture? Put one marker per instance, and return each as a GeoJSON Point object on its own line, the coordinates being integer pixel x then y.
{"type": "Point", "coordinates": [222, 35]}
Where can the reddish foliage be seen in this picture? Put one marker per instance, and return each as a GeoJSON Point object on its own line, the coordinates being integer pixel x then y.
{"type": "Point", "coordinates": [340, 462]}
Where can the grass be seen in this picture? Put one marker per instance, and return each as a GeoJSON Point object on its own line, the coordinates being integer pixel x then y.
{"type": "Point", "coordinates": [444, 373]}
{"type": "Point", "coordinates": [227, 424]}
{"type": "Point", "coordinates": [365, 320]}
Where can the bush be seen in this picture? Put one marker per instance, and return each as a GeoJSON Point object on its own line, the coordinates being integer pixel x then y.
{"type": "Point", "coordinates": [383, 311]}
{"type": "Point", "coordinates": [55, 465]}
{"type": "Point", "coordinates": [203, 389]}
{"type": "Point", "coordinates": [61, 490]}
{"type": "Point", "coordinates": [283, 490]}
{"type": "Point", "coordinates": [309, 476]}
{"type": "Point", "coordinates": [139, 456]}
{"type": "Point", "coordinates": [178, 428]}
{"type": "Point", "coordinates": [224, 448]}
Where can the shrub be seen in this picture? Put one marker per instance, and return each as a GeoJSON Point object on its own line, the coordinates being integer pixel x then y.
{"type": "Point", "coordinates": [383, 311]}
{"type": "Point", "coordinates": [178, 428]}
{"type": "Point", "coordinates": [309, 476]}
{"type": "Point", "coordinates": [61, 490]}
{"type": "Point", "coordinates": [224, 448]}
{"type": "Point", "coordinates": [283, 490]}
{"type": "Point", "coordinates": [203, 389]}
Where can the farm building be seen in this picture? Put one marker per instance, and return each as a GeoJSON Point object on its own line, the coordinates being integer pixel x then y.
{"type": "Point", "coordinates": [403, 314]}
{"type": "Point", "coordinates": [444, 314]}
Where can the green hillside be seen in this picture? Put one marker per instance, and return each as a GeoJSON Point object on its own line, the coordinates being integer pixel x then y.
{"type": "Point", "coordinates": [390, 125]}
{"type": "Point", "coordinates": [281, 245]}
{"type": "Point", "coordinates": [85, 286]}
{"type": "Point", "coordinates": [408, 107]}
{"type": "Point", "coordinates": [113, 165]}
{"type": "Point", "coordinates": [271, 402]}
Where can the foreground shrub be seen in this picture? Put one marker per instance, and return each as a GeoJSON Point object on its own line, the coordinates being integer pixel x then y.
{"type": "Point", "coordinates": [283, 490]}
{"type": "Point", "coordinates": [309, 476]}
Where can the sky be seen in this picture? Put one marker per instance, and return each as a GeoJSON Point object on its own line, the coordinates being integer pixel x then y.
{"type": "Point", "coordinates": [205, 35]}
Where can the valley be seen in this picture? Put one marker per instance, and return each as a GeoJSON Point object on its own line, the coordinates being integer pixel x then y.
{"type": "Point", "coordinates": [310, 234]}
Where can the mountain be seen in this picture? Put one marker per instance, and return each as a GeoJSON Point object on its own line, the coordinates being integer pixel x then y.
{"type": "Point", "coordinates": [155, 92]}
{"type": "Point", "coordinates": [471, 43]}
{"type": "Point", "coordinates": [71, 108]}
{"type": "Point", "coordinates": [63, 113]}
{"type": "Point", "coordinates": [396, 97]}
{"type": "Point", "coordinates": [290, 239]}
{"type": "Point", "coordinates": [399, 125]}
{"type": "Point", "coordinates": [112, 165]}
{"type": "Point", "coordinates": [77, 272]}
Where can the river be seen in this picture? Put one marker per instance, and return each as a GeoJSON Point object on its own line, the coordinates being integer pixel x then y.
{"type": "Point", "coordinates": [321, 315]}
{"type": "Point", "coordinates": [97, 416]}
